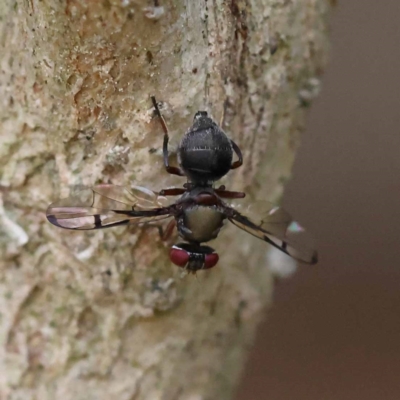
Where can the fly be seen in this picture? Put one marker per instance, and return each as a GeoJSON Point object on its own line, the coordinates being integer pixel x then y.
{"type": "Point", "coordinates": [205, 155]}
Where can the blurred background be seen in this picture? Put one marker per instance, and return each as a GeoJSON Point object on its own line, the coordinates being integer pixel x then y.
{"type": "Point", "coordinates": [333, 332]}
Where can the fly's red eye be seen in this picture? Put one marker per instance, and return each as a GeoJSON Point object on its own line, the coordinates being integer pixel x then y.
{"type": "Point", "coordinates": [211, 260]}
{"type": "Point", "coordinates": [178, 256]}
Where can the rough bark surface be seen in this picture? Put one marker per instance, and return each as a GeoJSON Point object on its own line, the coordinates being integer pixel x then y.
{"type": "Point", "coordinates": [104, 314]}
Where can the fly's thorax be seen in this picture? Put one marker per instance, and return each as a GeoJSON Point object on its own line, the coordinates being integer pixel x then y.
{"type": "Point", "coordinates": [205, 152]}
{"type": "Point", "coordinates": [200, 223]}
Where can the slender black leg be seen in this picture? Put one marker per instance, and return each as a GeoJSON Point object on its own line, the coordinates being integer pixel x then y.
{"type": "Point", "coordinates": [238, 152]}
{"type": "Point", "coordinates": [226, 194]}
{"type": "Point", "coordinates": [165, 233]}
{"type": "Point", "coordinates": [172, 192]}
{"type": "Point", "coordinates": [170, 170]}
{"type": "Point", "coordinates": [169, 230]}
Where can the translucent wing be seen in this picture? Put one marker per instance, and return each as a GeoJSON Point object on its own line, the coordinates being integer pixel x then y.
{"type": "Point", "coordinates": [105, 206]}
{"type": "Point", "coordinates": [275, 226]}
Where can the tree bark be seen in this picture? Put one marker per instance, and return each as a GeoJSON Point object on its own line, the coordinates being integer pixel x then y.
{"type": "Point", "coordinates": [104, 314]}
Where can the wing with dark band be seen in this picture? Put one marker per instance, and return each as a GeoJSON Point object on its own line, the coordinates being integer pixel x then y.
{"type": "Point", "coordinates": [275, 226]}
{"type": "Point", "coordinates": [104, 206]}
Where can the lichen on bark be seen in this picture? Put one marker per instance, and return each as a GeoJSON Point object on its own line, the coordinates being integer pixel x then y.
{"type": "Point", "coordinates": [104, 313]}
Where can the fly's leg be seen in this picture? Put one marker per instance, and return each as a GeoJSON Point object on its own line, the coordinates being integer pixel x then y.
{"type": "Point", "coordinates": [167, 233]}
{"type": "Point", "coordinates": [170, 169]}
{"type": "Point", "coordinates": [208, 199]}
{"type": "Point", "coordinates": [238, 152]}
{"type": "Point", "coordinates": [226, 194]}
{"type": "Point", "coordinates": [172, 192]}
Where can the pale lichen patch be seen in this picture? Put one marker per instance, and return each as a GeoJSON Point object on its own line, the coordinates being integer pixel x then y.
{"type": "Point", "coordinates": [154, 12]}
{"type": "Point", "coordinates": [14, 236]}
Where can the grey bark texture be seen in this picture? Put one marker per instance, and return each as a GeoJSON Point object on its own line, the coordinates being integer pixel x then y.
{"type": "Point", "coordinates": [103, 314]}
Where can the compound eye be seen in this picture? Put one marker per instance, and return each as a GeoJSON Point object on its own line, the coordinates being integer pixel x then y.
{"type": "Point", "coordinates": [211, 260]}
{"type": "Point", "coordinates": [178, 256]}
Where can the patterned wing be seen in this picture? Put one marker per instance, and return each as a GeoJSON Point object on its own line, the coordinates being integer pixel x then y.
{"type": "Point", "coordinates": [104, 206]}
{"type": "Point", "coordinates": [275, 226]}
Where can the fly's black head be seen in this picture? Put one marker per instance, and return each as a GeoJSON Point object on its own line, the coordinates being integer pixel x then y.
{"type": "Point", "coordinates": [200, 114]}
{"type": "Point", "coordinates": [202, 121]}
{"type": "Point", "coordinates": [205, 152]}
{"type": "Point", "coordinates": [193, 257]}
